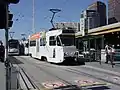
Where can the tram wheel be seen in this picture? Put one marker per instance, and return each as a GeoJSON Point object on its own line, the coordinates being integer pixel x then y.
{"type": "Point", "coordinates": [43, 58]}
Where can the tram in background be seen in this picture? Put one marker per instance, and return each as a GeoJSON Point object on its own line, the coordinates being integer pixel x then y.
{"type": "Point", "coordinates": [15, 47]}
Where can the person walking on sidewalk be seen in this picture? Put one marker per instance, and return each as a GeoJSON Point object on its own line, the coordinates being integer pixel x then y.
{"type": "Point", "coordinates": [112, 52]}
{"type": "Point", "coordinates": [107, 51]}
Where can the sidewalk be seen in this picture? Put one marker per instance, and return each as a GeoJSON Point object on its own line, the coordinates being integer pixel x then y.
{"type": "Point", "coordinates": [2, 76]}
{"type": "Point", "coordinates": [106, 66]}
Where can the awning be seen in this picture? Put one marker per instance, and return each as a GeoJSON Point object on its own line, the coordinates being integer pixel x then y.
{"type": "Point", "coordinates": [105, 32]}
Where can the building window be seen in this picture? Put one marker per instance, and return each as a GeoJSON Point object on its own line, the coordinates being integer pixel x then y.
{"type": "Point", "coordinates": [32, 43]}
{"type": "Point", "coordinates": [52, 41]}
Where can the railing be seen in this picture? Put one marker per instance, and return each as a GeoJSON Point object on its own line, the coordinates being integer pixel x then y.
{"type": "Point", "coordinates": [98, 56]}
{"type": "Point", "coordinates": [92, 55]}
{"type": "Point", "coordinates": [19, 80]}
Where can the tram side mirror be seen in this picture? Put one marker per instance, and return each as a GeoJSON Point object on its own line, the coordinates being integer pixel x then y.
{"type": "Point", "coordinates": [27, 45]}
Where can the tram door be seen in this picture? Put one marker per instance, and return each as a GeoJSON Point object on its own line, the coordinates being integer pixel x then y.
{"type": "Point", "coordinates": [37, 48]}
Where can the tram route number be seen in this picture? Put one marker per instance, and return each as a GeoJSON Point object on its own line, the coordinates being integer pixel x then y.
{"type": "Point", "coordinates": [52, 85]}
{"type": "Point", "coordinates": [84, 83]}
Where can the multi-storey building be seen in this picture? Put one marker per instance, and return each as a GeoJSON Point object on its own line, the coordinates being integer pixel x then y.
{"type": "Point", "coordinates": [100, 8]}
{"type": "Point", "coordinates": [113, 11]}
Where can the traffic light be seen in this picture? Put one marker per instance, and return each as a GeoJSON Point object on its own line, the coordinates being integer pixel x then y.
{"type": "Point", "coordinates": [4, 7]}
{"type": "Point", "coordinates": [2, 16]}
{"type": "Point", "coordinates": [10, 22]}
{"type": "Point", "coordinates": [12, 1]}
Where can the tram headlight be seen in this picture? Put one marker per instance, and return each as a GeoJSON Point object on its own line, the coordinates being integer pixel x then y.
{"type": "Point", "coordinates": [72, 53]}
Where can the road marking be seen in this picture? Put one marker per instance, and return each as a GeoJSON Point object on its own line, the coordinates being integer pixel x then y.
{"type": "Point", "coordinates": [116, 79]}
{"type": "Point", "coordinates": [53, 84]}
{"type": "Point", "coordinates": [85, 83]}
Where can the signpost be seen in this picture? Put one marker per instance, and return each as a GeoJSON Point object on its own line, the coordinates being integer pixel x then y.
{"type": "Point", "coordinates": [5, 23]}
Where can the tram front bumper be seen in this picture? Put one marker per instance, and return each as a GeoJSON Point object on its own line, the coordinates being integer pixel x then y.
{"type": "Point", "coordinates": [79, 58]}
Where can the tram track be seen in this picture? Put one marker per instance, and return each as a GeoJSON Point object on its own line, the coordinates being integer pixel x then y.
{"type": "Point", "coordinates": [23, 73]}
{"type": "Point", "coordinates": [90, 75]}
{"type": "Point", "coordinates": [70, 85]}
{"type": "Point", "coordinates": [79, 72]}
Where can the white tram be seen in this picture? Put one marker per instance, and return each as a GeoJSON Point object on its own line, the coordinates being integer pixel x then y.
{"type": "Point", "coordinates": [54, 46]}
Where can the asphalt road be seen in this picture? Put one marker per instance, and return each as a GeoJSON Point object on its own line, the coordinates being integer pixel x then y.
{"type": "Point", "coordinates": [48, 76]}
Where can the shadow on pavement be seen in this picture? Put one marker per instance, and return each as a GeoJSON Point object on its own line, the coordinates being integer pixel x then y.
{"type": "Point", "coordinates": [70, 64]}
{"type": "Point", "coordinates": [16, 55]}
{"type": "Point", "coordinates": [68, 87]}
{"type": "Point", "coordinates": [1, 62]}
{"type": "Point", "coordinates": [66, 63]}
{"type": "Point", "coordinates": [13, 60]}
{"type": "Point", "coordinates": [99, 88]}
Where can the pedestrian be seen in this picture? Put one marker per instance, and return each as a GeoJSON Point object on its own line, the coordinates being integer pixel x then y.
{"type": "Point", "coordinates": [107, 53]}
{"type": "Point", "coordinates": [112, 52]}
{"type": "Point", "coordinates": [2, 51]}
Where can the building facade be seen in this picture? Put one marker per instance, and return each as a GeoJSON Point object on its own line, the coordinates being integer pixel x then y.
{"type": "Point", "coordinates": [100, 8]}
{"type": "Point", "coordinates": [113, 11]}
{"type": "Point", "coordinates": [89, 19]}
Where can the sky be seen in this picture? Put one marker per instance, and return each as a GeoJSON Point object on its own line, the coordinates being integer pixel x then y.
{"type": "Point", "coordinates": [70, 12]}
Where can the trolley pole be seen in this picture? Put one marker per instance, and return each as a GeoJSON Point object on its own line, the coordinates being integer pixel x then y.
{"type": "Point", "coordinates": [7, 61]}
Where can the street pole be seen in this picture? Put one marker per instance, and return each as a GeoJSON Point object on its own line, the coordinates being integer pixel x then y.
{"type": "Point", "coordinates": [7, 62]}
{"type": "Point", "coordinates": [33, 17]}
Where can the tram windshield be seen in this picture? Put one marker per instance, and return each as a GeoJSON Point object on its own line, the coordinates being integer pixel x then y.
{"type": "Point", "coordinates": [66, 40]}
{"type": "Point", "coordinates": [13, 44]}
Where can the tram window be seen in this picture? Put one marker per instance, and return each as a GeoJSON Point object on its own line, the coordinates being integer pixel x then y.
{"type": "Point", "coordinates": [44, 41]}
{"type": "Point", "coordinates": [58, 42]}
{"type": "Point", "coordinates": [41, 42]}
{"type": "Point", "coordinates": [52, 41]}
{"type": "Point", "coordinates": [32, 43]}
